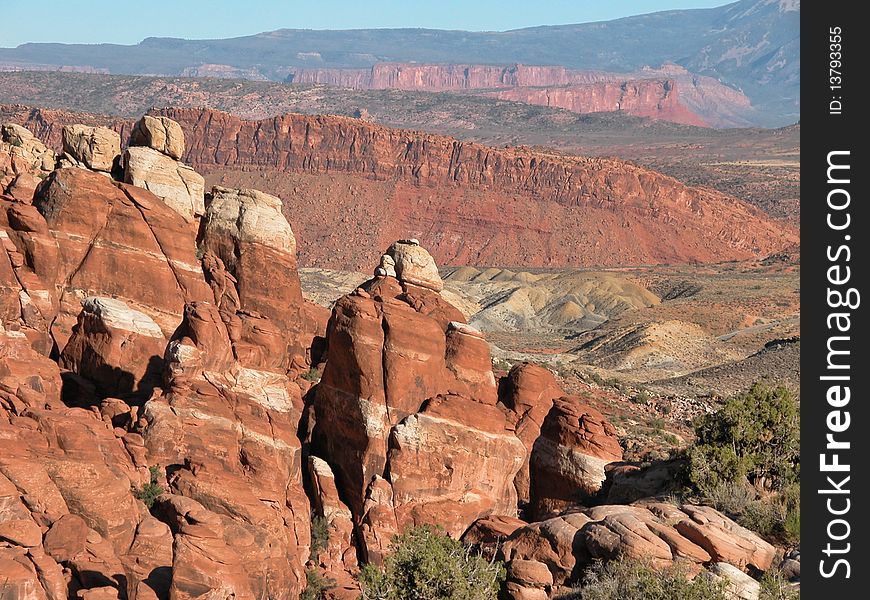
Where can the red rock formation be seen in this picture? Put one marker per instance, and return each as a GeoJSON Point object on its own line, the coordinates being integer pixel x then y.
{"type": "Point", "coordinates": [654, 98]}
{"type": "Point", "coordinates": [102, 229]}
{"type": "Point", "coordinates": [221, 429]}
{"type": "Point", "coordinates": [477, 204]}
{"type": "Point", "coordinates": [473, 204]}
{"type": "Point", "coordinates": [645, 93]}
{"type": "Point", "coordinates": [406, 412]}
{"type": "Point", "coordinates": [529, 391]}
{"type": "Point", "coordinates": [544, 556]}
{"type": "Point", "coordinates": [439, 77]}
{"type": "Point", "coordinates": [406, 418]}
{"type": "Point", "coordinates": [28, 266]}
{"type": "Point", "coordinates": [119, 349]}
{"type": "Point", "coordinates": [568, 458]}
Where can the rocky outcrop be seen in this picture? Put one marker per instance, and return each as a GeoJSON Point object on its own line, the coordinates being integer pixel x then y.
{"type": "Point", "coordinates": [68, 518]}
{"type": "Point", "coordinates": [117, 348]}
{"type": "Point", "coordinates": [529, 391]}
{"type": "Point", "coordinates": [234, 430]}
{"type": "Point", "coordinates": [412, 264]}
{"type": "Point", "coordinates": [178, 185]}
{"type": "Point", "coordinates": [655, 532]}
{"type": "Point", "coordinates": [140, 468]}
{"type": "Point", "coordinates": [215, 422]}
{"type": "Point", "coordinates": [567, 461]}
{"type": "Point", "coordinates": [410, 428]}
{"type": "Point", "coordinates": [28, 266]}
{"type": "Point", "coordinates": [703, 100]}
{"type": "Point", "coordinates": [653, 98]}
{"type": "Point", "coordinates": [474, 204]}
{"type": "Point", "coordinates": [104, 230]}
{"type": "Point", "coordinates": [159, 133]}
{"type": "Point", "coordinates": [95, 148]}
{"type": "Point", "coordinates": [250, 247]}
{"type": "Point", "coordinates": [24, 162]}
{"type": "Point", "coordinates": [153, 161]}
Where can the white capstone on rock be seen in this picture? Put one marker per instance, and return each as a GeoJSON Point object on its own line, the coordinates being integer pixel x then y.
{"type": "Point", "coordinates": [413, 264]}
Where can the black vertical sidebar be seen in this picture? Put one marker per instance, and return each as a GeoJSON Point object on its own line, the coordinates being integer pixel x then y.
{"type": "Point", "coordinates": [835, 373]}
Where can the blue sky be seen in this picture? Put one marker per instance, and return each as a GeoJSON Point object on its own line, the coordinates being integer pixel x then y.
{"type": "Point", "coordinates": [126, 22]}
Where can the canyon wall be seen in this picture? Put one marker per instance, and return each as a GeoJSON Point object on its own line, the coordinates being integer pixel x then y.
{"type": "Point", "coordinates": [472, 204]}
{"type": "Point", "coordinates": [669, 92]}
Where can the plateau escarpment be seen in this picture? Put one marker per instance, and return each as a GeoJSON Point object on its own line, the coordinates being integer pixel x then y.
{"type": "Point", "coordinates": [670, 92]}
{"type": "Point", "coordinates": [476, 204]}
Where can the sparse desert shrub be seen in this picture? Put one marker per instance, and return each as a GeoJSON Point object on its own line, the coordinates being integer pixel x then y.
{"type": "Point", "coordinates": [149, 491]}
{"type": "Point", "coordinates": [316, 585]}
{"type": "Point", "coordinates": [319, 536]}
{"type": "Point", "coordinates": [628, 579]}
{"type": "Point", "coordinates": [755, 436]}
{"type": "Point", "coordinates": [426, 564]}
{"type": "Point", "coordinates": [642, 397]}
{"type": "Point", "coordinates": [774, 586]}
{"type": "Point", "coordinates": [751, 444]}
{"type": "Point", "coordinates": [311, 374]}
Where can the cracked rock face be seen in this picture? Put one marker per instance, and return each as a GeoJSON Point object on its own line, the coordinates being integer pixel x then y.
{"type": "Point", "coordinates": [413, 264]}
{"type": "Point", "coordinates": [179, 186]}
{"type": "Point", "coordinates": [407, 416]}
{"type": "Point", "coordinates": [119, 241]}
{"type": "Point", "coordinates": [94, 147]}
{"type": "Point", "coordinates": [161, 133]}
{"type": "Point", "coordinates": [654, 531]}
{"type": "Point", "coordinates": [116, 347]}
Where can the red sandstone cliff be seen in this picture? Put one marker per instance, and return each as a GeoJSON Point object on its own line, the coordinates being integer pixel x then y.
{"type": "Point", "coordinates": [654, 98]}
{"type": "Point", "coordinates": [647, 93]}
{"type": "Point", "coordinates": [350, 187]}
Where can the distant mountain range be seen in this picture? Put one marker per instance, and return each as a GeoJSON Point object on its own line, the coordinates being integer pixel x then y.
{"type": "Point", "coordinates": [750, 45]}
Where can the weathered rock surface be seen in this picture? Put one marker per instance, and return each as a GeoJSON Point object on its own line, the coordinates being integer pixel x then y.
{"type": "Point", "coordinates": [655, 532]}
{"type": "Point", "coordinates": [247, 232]}
{"type": "Point", "coordinates": [24, 162]}
{"type": "Point", "coordinates": [407, 425]}
{"type": "Point", "coordinates": [28, 266]}
{"type": "Point", "coordinates": [452, 463]}
{"type": "Point", "coordinates": [117, 348]}
{"type": "Point", "coordinates": [161, 133]}
{"type": "Point", "coordinates": [244, 522]}
{"type": "Point", "coordinates": [529, 391]}
{"type": "Point", "coordinates": [473, 204]}
{"type": "Point", "coordinates": [413, 264]}
{"type": "Point", "coordinates": [406, 413]}
{"type": "Point", "coordinates": [179, 186]}
{"type": "Point", "coordinates": [96, 148]}
{"type": "Point", "coordinates": [701, 100]}
{"type": "Point", "coordinates": [654, 98]}
{"type": "Point", "coordinates": [118, 241]}
{"type": "Point", "coordinates": [567, 460]}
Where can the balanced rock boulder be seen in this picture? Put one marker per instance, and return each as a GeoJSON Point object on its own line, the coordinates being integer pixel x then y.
{"type": "Point", "coordinates": [95, 148]}
{"type": "Point", "coordinates": [161, 133]}
{"type": "Point", "coordinates": [413, 264]}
